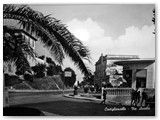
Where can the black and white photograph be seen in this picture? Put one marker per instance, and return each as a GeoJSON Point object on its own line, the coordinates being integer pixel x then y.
{"type": "Point", "coordinates": [79, 59]}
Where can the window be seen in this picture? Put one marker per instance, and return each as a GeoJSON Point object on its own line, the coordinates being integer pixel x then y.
{"type": "Point", "coordinates": [127, 75]}
{"type": "Point", "coordinates": [141, 77]}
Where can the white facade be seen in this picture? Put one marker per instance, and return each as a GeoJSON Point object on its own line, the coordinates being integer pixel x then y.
{"type": "Point", "coordinates": [142, 72]}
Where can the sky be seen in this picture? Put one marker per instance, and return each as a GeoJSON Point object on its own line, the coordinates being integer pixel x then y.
{"type": "Point", "coordinates": [120, 29]}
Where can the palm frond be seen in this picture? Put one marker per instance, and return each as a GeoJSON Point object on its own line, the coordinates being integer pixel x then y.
{"type": "Point", "coordinates": [15, 48]}
{"type": "Point", "coordinates": [51, 32]}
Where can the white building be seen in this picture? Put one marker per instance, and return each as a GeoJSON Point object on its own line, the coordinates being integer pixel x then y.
{"type": "Point", "coordinates": [139, 73]}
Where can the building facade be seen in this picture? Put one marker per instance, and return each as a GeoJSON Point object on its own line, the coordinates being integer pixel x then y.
{"type": "Point", "coordinates": [37, 46]}
{"type": "Point", "coordinates": [105, 66]}
{"type": "Point", "coordinates": [139, 73]}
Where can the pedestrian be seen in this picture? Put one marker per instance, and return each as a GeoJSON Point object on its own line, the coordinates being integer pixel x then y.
{"type": "Point", "coordinates": [144, 98]}
{"type": "Point", "coordinates": [104, 95]}
{"type": "Point", "coordinates": [75, 90]}
{"type": "Point", "coordinates": [135, 97]}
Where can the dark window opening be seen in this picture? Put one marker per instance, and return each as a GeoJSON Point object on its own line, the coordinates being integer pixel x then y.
{"type": "Point", "coordinates": [127, 75]}
{"type": "Point", "coordinates": [141, 77]}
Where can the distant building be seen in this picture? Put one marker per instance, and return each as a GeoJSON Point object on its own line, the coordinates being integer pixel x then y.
{"type": "Point", "coordinates": [139, 73]}
{"type": "Point", "coordinates": [105, 67]}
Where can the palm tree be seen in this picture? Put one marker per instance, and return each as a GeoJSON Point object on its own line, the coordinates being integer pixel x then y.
{"type": "Point", "coordinates": [51, 32]}
{"type": "Point", "coordinates": [15, 48]}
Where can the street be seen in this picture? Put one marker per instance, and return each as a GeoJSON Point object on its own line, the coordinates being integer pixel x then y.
{"type": "Point", "coordinates": [76, 107]}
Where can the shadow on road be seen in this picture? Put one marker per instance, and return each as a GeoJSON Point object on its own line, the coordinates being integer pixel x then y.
{"type": "Point", "coordinates": [74, 108]}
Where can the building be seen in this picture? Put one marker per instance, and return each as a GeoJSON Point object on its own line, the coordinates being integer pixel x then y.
{"type": "Point", "coordinates": [139, 73]}
{"type": "Point", "coordinates": [36, 45]}
{"type": "Point", "coordinates": [105, 66]}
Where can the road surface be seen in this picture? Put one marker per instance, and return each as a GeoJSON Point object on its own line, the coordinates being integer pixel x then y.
{"type": "Point", "coordinates": [63, 106]}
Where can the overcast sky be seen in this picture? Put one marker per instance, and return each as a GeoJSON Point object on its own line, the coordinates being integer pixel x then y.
{"type": "Point", "coordinates": [107, 28]}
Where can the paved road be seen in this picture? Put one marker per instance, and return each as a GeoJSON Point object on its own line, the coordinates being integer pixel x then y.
{"type": "Point", "coordinates": [76, 107]}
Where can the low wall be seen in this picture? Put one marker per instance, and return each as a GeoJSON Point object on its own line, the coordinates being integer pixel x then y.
{"type": "Point", "coordinates": [123, 95]}
{"type": "Point", "coordinates": [119, 95]}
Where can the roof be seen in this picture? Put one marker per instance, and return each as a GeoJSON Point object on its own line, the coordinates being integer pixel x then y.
{"type": "Point", "coordinates": [116, 57]}
{"type": "Point", "coordinates": [135, 61]}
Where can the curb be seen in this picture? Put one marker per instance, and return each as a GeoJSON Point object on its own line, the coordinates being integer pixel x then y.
{"type": "Point", "coordinates": [90, 99]}
{"type": "Point", "coordinates": [83, 98]}
{"type": "Point", "coordinates": [49, 114]}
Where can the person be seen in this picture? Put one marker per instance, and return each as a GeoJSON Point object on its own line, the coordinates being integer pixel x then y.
{"type": "Point", "coordinates": [135, 97]}
{"type": "Point", "coordinates": [144, 97]}
{"type": "Point", "coordinates": [75, 90]}
{"type": "Point", "coordinates": [104, 95]}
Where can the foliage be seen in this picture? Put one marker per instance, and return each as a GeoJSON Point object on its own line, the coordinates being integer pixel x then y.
{"type": "Point", "coordinates": [21, 86]}
{"type": "Point", "coordinates": [91, 88]}
{"type": "Point", "coordinates": [18, 72]}
{"type": "Point", "coordinates": [52, 33]}
{"type": "Point", "coordinates": [39, 70]}
{"type": "Point", "coordinates": [15, 48]}
{"type": "Point", "coordinates": [50, 70]}
{"type": "Point", "coordinates": [41, 57]}
{"type": "Point", "coordinates": [10, 80]}
{"type": "Point", "coordinates": [50, 61]}
{"type": "Point", "coordinates": [69, 81]}
{"type": "Point", "coordinates": [40, 75]}
{"type": "Point", "coordinates": [47, 83]}
{"type": "Point", "coordinates": [153, 19]}
{"type": "Point", "coordinates": [89, 79]}
{"type": "Point", "coordinates": [86, 88]}
{"type": "Point", "coordinates": [57, 69]}
{"type": "Point", "coordinates": [109, 85]}
{"type": "Point", "coordinates": [28, 77]}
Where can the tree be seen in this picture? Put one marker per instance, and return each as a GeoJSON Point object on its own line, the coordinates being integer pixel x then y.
{"type": "Point", "coordinates": [89, 79]}
{"type": "Point", "coordinates": [50, 70]}
{"type": "Point", "coordinates": [50, 61]}
{"type": "Point", "coordinates": [39, 70]}
{"type": "Point", "coordinates": [51, 32]}
{"type": "Point", "coordinates": [69, 81]}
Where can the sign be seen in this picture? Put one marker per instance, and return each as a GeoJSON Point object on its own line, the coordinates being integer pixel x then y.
{"type": "Point", "coordinates": [68, 74]}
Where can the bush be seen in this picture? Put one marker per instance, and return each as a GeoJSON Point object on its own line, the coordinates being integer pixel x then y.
{"type": "Point", "coordinates": [50, 73]}
{"type": "Point", "coordinates": [39, 70]}
{"type": "Point", "coordinates": [40, 75]}
{"type": "Point", "coordinates": [47, 83]}
{"type": "Point", "coordinates": [10, 80]}
{"type": "Point", "coordinates": [92, 88]}
{"type": "Point", "coordinates": [21, 86]}
{"type": "Point", "coordinates": [50, 70]}
{"type": "Point", "coordinates": [28, 77]}
{"type": "Point", "coordinates": [86, 89]}
{"type": "Point", "coordinates": [19, 72]}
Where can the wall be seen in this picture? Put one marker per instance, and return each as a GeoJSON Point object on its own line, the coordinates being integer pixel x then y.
{"type": "Point", "coordinates": [119, 95]}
